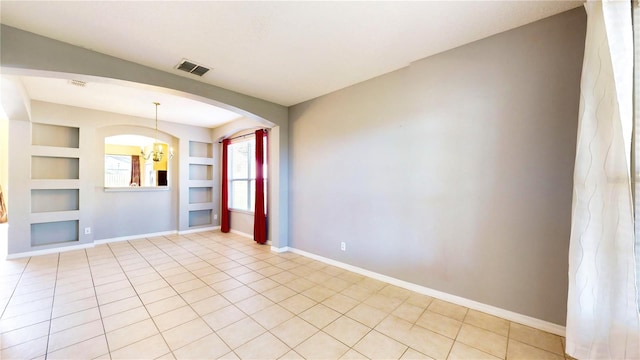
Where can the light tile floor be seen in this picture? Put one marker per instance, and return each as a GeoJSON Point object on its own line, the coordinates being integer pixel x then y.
{"type": "Point", "coordinates": [212, 295]}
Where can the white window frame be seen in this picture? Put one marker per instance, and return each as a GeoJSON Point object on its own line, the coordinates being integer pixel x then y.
{"type": "Point", "coordinates": [251, 176]}
{"type": "Point", "coordinates": [110, 181]}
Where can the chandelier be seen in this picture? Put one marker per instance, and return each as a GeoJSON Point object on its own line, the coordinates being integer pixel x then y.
{"type": "Point", "coordinates": [156, 152]}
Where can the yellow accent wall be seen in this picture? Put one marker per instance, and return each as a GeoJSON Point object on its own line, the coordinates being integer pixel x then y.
{"type": "Point", "coordinates": [121, 149]}
{"type": "Point", "coordinates": [162, 164]}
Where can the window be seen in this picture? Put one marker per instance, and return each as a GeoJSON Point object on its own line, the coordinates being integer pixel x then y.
{"type": "Point", "coordinates": [120, 151]}
{"type": "Point", "coordinates": [117, 170]}
{"type": "Point", "coordinates": [242, 174]}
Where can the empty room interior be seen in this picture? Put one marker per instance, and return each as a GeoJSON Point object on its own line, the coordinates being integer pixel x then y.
{"type": "Point", "coordinates": [295, 180]}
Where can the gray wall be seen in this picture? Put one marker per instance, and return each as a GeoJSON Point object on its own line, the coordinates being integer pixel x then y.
{"type": "Point", "coordinates": [242, 222]}
{"type": "Point", "coordinates": [454, 173]}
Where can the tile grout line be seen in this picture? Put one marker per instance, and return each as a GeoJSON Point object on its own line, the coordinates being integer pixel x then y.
{"type": "Point", "coordinates": [455, 339]}
{"type": "Point", "coordinates": [184, 261]}
{"type": "Point", "coordinates": [116, 260]}
{"type": "Point", "coordinates": [188, 304]}
{"type": "Point", "coordinates": [15, 287]}
{"type": "Point", "coordinates": [508, 338]}
{"type": "Point", "coordinates": [171, 286]}
{"type": "Point", "coordinates": [316, 303]}
{"type": "Point", "coordinates": [138, 295]}
{"type": "Point", "coordinates": [53, 299]}
{"type": "Point", "coordinates": [95, 293]}
{"type": "Point", "coordinates": [232, 303]}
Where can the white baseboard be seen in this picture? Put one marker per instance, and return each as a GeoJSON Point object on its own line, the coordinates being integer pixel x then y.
{"type": "Point", "coordinates": [54, 250]}
{"type": "Point", "coordinates": [192, 231]}
{"type": "Point", "coordinates": [133, 237]}
{"type": "Point", "coordinates": [243, 234]}
{"type": "Point", "coordinates": [283, 249]}
{"type": "Point", "coordinates": [60, 249]}
{"type": "Point", "coordinates": [471, 304]}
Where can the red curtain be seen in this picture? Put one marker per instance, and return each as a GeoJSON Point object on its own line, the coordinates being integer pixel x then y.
{"type": "Point", "coordinates": [260, 218]}
{"type": "Point", "coordinates": [135, 171]}
{"type": "Point", "coordinates": [225, 223]}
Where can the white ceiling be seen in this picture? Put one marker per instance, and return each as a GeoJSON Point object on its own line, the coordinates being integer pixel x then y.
{"type": "Point", "coordinates": [284, 52]}
{"type": "Point", "coordinates": [133, 101]}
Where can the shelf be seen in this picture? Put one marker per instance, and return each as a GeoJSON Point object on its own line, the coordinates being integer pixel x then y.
{"type": "Point", "coordinates": [54, 216]}
{"type": "Point", "coordinates": [201, 206]}
{"type": "Point", "coordinates": [137, 188]}
{"type": "Point", "coordinates": [200, 183]}
{"type": "Point", "coordinates": [200, 161]}
{"type": "Point", "coordinates": [52, 151]}
{"type": "Point", "coordinates": [56, 184]}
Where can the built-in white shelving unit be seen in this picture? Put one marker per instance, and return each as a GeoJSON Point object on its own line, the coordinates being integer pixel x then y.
{"type": "Point", "coordinates": [55, 184]}
{"type": "Point", "coordinates": [200, 184]}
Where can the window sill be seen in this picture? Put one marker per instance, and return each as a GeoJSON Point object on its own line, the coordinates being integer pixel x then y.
{"type": "Point", "coordinates": [137, 188]}
{"type": "Point", "coordinates": [246, 212]}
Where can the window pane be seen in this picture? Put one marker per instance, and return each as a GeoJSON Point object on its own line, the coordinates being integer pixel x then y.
{"type": "Point", "coordinates": [239, 195]}
{"type": "Point", "coordinates": [252, 195]}
{"type": "Point", "coordinates": [117, 170]}
{"type": "Point", "coordinates": [252, 158]}
{"type": "Point", "coordinates": [239, 155]}
{"type": "Point", "coordinates": [149, 174]}
{"type": "Point", "coordinates": [242, 172]}
{"type": "Point", "coordinates": [264, 169]}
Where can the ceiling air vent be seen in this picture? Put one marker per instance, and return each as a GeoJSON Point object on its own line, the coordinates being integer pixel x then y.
{"type": "Point", "coordinates": [192, 68]}
{"type": "Point", "coordinates": [79, 83]}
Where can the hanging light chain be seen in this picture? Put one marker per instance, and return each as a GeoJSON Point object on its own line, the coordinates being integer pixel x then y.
{"type": "Point", "coordinates": [156, 103]}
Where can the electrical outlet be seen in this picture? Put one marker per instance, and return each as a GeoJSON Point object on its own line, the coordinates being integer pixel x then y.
{"type": "Point", "coordinates": [343, 246]}
{"type": "Point", "coordinates": [87, 230]}
{"type": "Point", "coordinates": [215, 216]}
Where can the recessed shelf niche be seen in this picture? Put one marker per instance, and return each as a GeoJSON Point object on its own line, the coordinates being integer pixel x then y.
{"type": "Point", "coordinates": [54, 232]}
{"type": "Point", "coordinates": [200, 172]}
{"type": "Point", "coordinates": [199, 217]}
{"type": "Point", "coordinates": [55, 186]}
{"type": "Point", "coordinates": [199, 195]}
{"type": "Point", "coordinates": [200, 184]}
{"type": "Point", "coordinates": [51, 200]}
{"type": "Point", "coordinates": [200, 149]}
{"type": "Point", "coordinates": [55, 135]}
{"type": "Point", "coordinates": [50, 168]}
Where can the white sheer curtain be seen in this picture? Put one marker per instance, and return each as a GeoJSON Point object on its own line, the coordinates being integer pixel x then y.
{"type": "Point", "coordinates": [636, 126]}
{"type": "Point", "coordinates": [602, 316]}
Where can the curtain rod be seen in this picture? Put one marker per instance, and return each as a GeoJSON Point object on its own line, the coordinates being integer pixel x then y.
{"type": "Point", "coordinates": [241, 136]}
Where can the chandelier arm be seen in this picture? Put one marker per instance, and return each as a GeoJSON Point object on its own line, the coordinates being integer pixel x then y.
{"type": "Point", "coordinates": [157, 152]}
